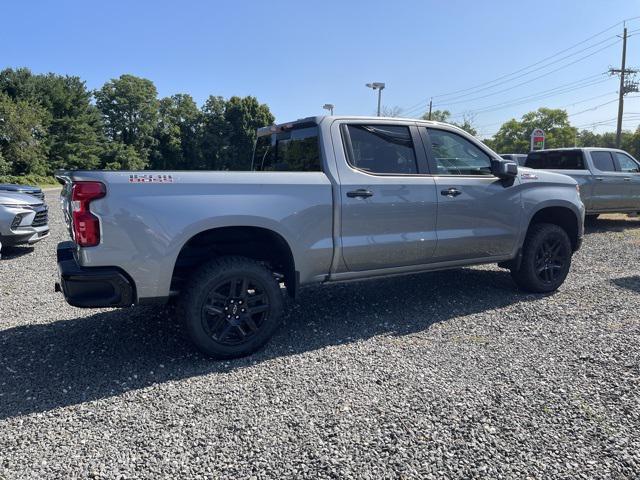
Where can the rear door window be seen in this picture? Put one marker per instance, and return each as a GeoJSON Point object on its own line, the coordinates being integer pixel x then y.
{"type": "Point", "coordinates": [386, 149]}
{"type": "Point", "coordinates": [556, 160]}
{"type": "Point", "coordinates": [603, 161]}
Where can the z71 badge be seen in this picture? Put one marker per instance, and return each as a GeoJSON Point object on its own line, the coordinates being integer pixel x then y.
{"type": "Point", "coordinates": [150, 178]}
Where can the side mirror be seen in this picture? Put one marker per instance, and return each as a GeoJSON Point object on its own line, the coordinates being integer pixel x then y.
{"type": "Point", "coordinates": [504, 169]}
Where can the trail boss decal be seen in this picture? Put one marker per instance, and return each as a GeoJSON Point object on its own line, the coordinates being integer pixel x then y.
{"type": "Point", "coordinates": [150, 178]}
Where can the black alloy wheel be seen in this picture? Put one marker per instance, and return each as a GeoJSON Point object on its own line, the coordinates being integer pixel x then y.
{"type": "Point", "coordinates": [235, 310]}
{"type": "Point", "coordinates": [550, 258]}
{"type": "Point", "coordinates": [546, 259]}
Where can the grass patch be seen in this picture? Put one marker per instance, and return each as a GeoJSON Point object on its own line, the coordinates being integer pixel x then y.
{"type": "Point", "coordinates": [42, 181]}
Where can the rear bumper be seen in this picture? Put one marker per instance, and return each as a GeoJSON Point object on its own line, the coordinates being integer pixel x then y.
{"type": "Point", "coordinates": [92, 287]}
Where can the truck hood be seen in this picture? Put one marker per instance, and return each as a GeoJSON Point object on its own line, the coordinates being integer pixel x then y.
{"type": "Point", "coordinates": [533, 175]}
{"type": "Point", "coordinates": [22, 199]}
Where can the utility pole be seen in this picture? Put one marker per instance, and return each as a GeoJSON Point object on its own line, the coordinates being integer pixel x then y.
{"type": "Point", "coordinates": [430, 105]}
{"type": "Point", "coordinates": [625, 87]}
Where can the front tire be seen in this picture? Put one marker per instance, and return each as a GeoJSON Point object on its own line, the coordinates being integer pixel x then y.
{"type": "Point", "coordinates": [231, 307]}
{"type": "Point", "coordinates": [546, 259]}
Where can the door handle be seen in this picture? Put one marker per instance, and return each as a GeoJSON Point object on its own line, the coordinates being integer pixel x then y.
{"type": "Point", "coordinates": [361, 193]}
{"type": "Point", "coordinates": [600, 179]}
{"type": "Point", "coordinates": [627, 179]}
{"type": "Point", "coordinates": [450, 192]}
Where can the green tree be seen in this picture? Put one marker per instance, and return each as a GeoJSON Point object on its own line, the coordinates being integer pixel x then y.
{"type": "Point", "coordinates": [445, 116]}
{"type": "Point", "coordinates": [74, 129]}
{"type": "Point", "coordinates": [438, 115]}
{"type": "Point", "coordinates": [514, 136]}
{"type": "Point", "coordinates": [130, 111]}
{"type": "Point", "coordinates": [215, 133]}
{"type": "Point", "coordinates": [118, 156]}
{"type": "Point", "coordinates": [243, 117]}
{"type": "Point", "coordinates": [75, 137]}
{"type": "Point", "coordinates": [178, 134]}
{"type": "Point", "coordinates": [23, 129]}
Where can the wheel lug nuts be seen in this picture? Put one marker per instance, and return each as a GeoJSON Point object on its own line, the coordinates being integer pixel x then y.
{"type": "Point", "coordinates": [231, 301]}
{"type": "Point", "coordinates": [237, 317]}
{"type": "Point", "coordinates": [228, 316]}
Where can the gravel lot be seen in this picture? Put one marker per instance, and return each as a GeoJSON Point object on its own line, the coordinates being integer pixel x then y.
{"type": "Point", "coordinates": [451, 374]}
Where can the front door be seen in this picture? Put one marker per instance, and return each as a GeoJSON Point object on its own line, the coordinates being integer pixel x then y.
{"type": "Point", "coordinates": [630, 168]}
{"type": "Point", "coordinates": [388, 208]}
{"type": "Point", "coordinates": [478, 214]}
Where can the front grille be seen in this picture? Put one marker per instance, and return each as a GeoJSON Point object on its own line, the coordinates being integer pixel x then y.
{"type": "Point", "coordinates": [41, 218]}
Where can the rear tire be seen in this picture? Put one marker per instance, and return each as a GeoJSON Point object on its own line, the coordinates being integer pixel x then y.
{"type": "Point", "coordinates": [231, 307]}
{"type": "Point", "coordinates": [546, 259]}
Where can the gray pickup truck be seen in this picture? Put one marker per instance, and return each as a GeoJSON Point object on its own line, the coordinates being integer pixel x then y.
{"type": "Point", "coordinates": [327, 199]}
{"type": "Point", "coordinates": [609, 179]}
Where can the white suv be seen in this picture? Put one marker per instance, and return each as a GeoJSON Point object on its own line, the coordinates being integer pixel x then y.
{"type": "Point", "coordinates": [24, 219]}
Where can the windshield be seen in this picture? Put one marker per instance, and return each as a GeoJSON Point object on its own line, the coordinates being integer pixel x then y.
{"type": "Point", "coordinates": [295, 150]}
{"type": "Point", "coordinates": [556, 160]}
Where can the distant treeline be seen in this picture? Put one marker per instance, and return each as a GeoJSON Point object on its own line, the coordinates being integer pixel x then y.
{"type": "Point", "coordinates": [52, 121]}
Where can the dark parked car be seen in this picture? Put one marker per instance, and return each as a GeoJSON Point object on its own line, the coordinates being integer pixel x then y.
{"type": "Point", "coordinates": [27, 189]}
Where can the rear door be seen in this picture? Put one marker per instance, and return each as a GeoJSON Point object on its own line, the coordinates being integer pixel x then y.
{"type": "Point", "coordinates": [388, 203]}
{"type": "Point", "coordinates": [478, 214]}
{"type": "Point", "coordinates": [610, 186]}
{"type": "Point", "coordinates": [630, 168]}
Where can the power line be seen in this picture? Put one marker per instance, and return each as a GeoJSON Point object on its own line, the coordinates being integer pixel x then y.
{"type": "Point", "coordinates": [528, 67]}
{"type": "Point", "coordinates": [535, 78]}
{"type": "Point", "coordinates": [531, 65]}
{"type": "Point", "coordinates": [409, 112]}
{"type": "Point", "coordinates": [592, 108]}
{"type": "Point", "coordinates": [561, 90]}
{"type": "Point", "coordinates": [528, 73]}
{"type": "Point", "coordinates": [480, 127]}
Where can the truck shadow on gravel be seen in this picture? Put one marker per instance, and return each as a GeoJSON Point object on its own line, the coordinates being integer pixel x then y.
{"type": "Point", "coordinates": [617, 223]}
{"type": "Point", "coordinates": [630, 283]}
{"type": "Point", "coordinates": [9, 253]}
{"type": "Point", "coordinates": [101, 355]}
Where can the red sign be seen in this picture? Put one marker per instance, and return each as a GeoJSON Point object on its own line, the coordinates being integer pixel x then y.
{"type": "Point", "coordinates": [537, 139]}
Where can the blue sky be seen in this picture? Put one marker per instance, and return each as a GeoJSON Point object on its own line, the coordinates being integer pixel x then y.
{"type": "Point", "coordinates": [295, 55]}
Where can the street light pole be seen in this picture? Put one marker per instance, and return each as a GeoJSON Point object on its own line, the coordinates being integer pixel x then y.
{"type": "Point", "coordinates": [377, 86]}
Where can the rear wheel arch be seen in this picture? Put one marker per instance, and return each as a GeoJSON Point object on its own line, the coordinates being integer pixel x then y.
{"type": "Point", "coordinates": [258, 243]}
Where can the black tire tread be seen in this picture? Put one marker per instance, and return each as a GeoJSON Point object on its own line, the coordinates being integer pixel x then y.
{"type": "Point", "coordinates": [219, 267]}
{"type": "Point", "coordinates": [525, 277]}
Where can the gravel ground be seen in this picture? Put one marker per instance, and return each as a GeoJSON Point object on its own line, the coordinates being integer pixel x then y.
{"type": "Point", "coordinates": [452, 374]}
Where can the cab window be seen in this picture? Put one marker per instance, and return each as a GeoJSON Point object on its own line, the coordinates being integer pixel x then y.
{"type": "Point", "coordinates": [455, 155]}
{"type": "Point", "coordinates": [603, 161]}
{"type": "Point", "coordinates": [627, 164]}
{"type": "Point", "coordinates": [385, 149]}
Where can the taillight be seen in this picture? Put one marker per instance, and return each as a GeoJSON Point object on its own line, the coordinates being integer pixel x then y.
{"type": "Point", "coordinates": [86, 226]}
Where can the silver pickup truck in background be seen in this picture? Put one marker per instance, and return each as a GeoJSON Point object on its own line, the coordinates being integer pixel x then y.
{"type": "Point", "coordinates": [609, 179]}
{"type": "Point", "coordinates": [327, 199]}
